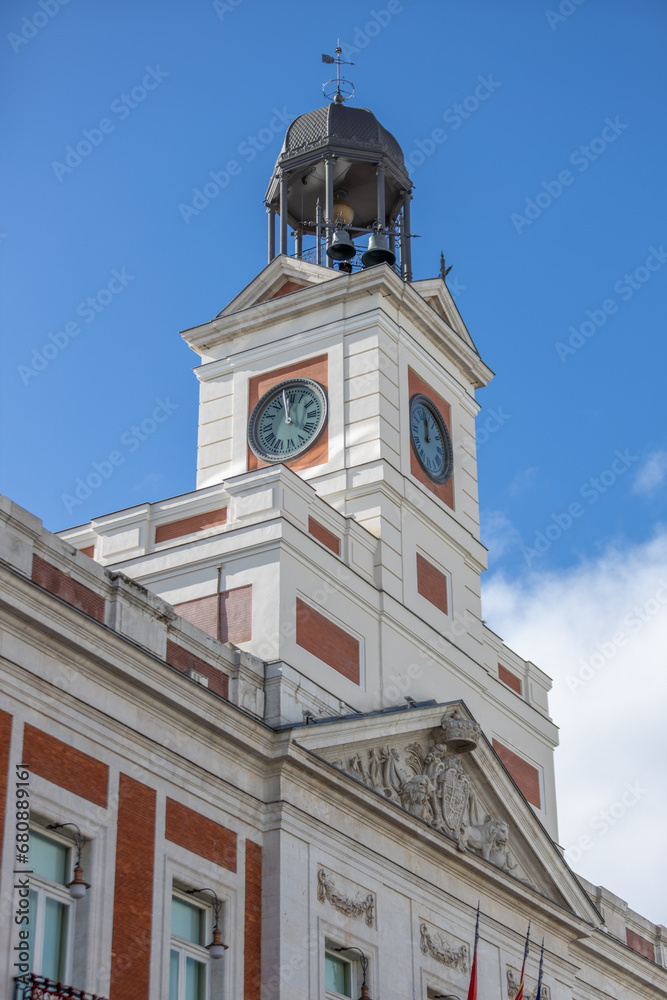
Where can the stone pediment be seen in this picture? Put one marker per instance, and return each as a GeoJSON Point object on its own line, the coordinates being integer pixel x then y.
{"type": "Point", "coordinates": [435, 764]}
{"type": "Point", "coordinates": [435, 292]}
{"type": "Point", "coordinates": [282, 276]}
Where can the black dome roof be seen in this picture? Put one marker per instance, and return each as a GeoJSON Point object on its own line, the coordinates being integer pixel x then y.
{"type": "Point", "coordinates": [339, 125]}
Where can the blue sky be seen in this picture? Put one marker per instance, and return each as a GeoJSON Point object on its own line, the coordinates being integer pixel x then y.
{"type": "Point", "coordinates": [547, 196]}
{"type": "Point", "coordinates": [522, 285]}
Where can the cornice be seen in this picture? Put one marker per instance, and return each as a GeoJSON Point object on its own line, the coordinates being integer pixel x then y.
{"type": "Point", "coordinates": [105, 656]}
{"type": "Point", "coordinates": [379, 280]}
{"type": "Point", "coordinates": [338, 788]}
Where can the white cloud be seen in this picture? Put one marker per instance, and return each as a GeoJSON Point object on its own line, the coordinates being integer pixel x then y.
{"type": "Point", "coordinates": [652, 473]}
{"type": "Point", "coordinates": [600, 630]}
{"type": "Point", "coordinates": [498, 533]}
{"type": "Point", "coordinates": [149, 482]}
{"type": "Point", "coordinates": [524, 480]}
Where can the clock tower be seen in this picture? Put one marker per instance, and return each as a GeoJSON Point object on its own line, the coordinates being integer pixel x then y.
{"type": "Point", "coordinates": [333, 535]}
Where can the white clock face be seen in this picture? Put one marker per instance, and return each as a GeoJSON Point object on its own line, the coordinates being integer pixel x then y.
{"type": "Point", "coordinates": [287, 420]}
{"type": "Point", "coordinates": [430, 439]}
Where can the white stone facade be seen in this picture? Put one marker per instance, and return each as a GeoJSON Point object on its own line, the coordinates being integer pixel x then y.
{"type": "Point", "coordinates": [305, 772]}
{"type": "Point", "coordinates": [398, 889]}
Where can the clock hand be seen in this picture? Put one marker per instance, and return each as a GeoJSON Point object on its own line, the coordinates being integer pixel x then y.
{"type": "Point", "coordinates": [288, 419]}
{"type": "Point", "coordinates": [427, 436]}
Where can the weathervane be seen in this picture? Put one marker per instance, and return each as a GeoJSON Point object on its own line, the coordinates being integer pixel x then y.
{"type": "Point", "coordinates": [338, 95]}
{"type": "Point", "coordinates": [444, 271]}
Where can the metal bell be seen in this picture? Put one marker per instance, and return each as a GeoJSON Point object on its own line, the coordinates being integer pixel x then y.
{"type": "Point", "coordinates": [342, 247]}
{"type": "Point", "coordinates": [378, 251]}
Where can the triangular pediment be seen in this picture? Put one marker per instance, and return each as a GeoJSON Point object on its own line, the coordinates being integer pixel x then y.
{"type": "Point", "coordinates": [422, 761]}
{"type": "Point", "coordinates": [283, 276]}
{"type": "Point", "coordinates": [435, 293]}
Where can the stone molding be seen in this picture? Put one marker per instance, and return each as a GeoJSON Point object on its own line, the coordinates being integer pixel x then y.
{"type": "Point", "coordinates": [443, 950]}
{"type": "Point", "coordinates": [351, 906]}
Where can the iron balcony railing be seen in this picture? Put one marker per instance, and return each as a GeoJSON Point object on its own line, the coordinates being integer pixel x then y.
{"type": "Point", "coordinates": [310, 255]}
{"type": "Point", "coordinates": [32, 987]}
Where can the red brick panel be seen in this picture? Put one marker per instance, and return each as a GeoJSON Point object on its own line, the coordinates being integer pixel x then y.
{"type": "Point", "coordinates": [56, 582]}
{"type": "Point", "coordinates": [327, 641]}
{"type": "Point", "coordinates": [253, 922]}
{"type": "Point", "coordinates": [323, 535]}
{"type": "Point", "coordinates": [318, 370]}
{"type": "Point", "coordinates": [431, 583]}
{"type": "Point", "coordinates": [444, 492]}
{"type": "Point", "coordinates": [507, 677]}
{"type": "Point", "coordinates": [289, 286]}
{"type": "Point", "coordinates": [200, 612]}
{"type": "Point", "coordinates": [189, 525]}
{"type": "Point", "coordinates": [5, 736]}
{"type": "Point", "coordinates": [200, 835]}
{"type": "Point", "coordinates": [525, 775]}
{"type": "Point", "coordinates": [133, 893]}
{"type": "Point", "coordinates": [235, 614]}
{"type": "Point", "coordinates": [640, 944]}
{"type": "Point", "coordinates": [64, 766]}
{"type": "Point", "coordinates": [183, 660]}
{"type": "Point", "coordinates": [89, 551]}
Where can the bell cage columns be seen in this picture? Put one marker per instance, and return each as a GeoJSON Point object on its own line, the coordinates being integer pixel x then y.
{"type": "Point", "coordinates": [328, 207]}
{"type": "Point", "coordinates": [325, 227]}
{"type": "Point", "coordinates": [406, 248]}
{"type": "Point", "coordinates": [283, 212]}
{"type": "Point", "coordinates": [271, 213]}
{"type": "Point", "coordinates": [381, 209]}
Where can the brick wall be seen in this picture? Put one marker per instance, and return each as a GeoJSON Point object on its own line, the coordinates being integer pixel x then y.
{"type": "Point", "coordinates": [507, 677]}
{"type": "Point", "coordinates": [182, 660]}
{"type": "Point", "coordinates": [189, 525]}
{"type": "Point", "coordinates": [525, 775]}
{"type": "Point", "coordinates": [5, 737]}
{"type": "Point", "coordinates": [89, 551]}
{"type": "Point", "coordinates": [289, 286]}
{"type": "Point", "coordinates": [444, 492]}
{"type": "Point", "coordinates": [235, 614]}
{"type": "Point", "coordinates": [65, 766]}
{"type": "Point", "coordinates": [431, 583]}
{"type": "Point", "coordinates": [640, 944]}
{"type": "Point", "coordinates": [327, 641]}
{"type": "Point", "coordinates": [67, 589]}
{"type": "Point", "coordinates": [253, 922]}
{"type": "Point", "coordinates": [318, 370]}
{"type": "Point", "coordinates": [133, 893]}
{"type": "Point", "coordinates": [323, 535]}
{"type": "Point", "coordinates": [200, 835]}
{"type": "Point", "coordinates": [201, 612]}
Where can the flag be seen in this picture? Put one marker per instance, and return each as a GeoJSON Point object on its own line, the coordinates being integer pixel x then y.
{"type": "Point", "coordinates": [328, 59]}
{"type": "Point", "coordinates": [472, 989]}
{"type": "Point", "coordinates": [519, 995]}
{"type": "Point", "coordinates": [539, 975]}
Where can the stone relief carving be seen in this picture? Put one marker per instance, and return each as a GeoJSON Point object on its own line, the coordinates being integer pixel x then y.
{"type": "Point", "coordinates": [433, 786]}
{"type": "Point", "coordinates": [530, 988]}
{"type": "Point", "coordinates": [326, 889]}
{"type": "Point", "coordinates": [442, 951]}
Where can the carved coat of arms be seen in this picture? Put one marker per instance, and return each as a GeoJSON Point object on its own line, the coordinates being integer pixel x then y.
{"type": "Point", "coordinates": [455, 793]}
{"type": "Point", "coordinates": [434, 787]}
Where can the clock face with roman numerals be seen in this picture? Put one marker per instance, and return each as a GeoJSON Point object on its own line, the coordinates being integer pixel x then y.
{"type": "Point", "coordinates": [287, 420]}
{"type": "Point", "coordinates": [430, 439]}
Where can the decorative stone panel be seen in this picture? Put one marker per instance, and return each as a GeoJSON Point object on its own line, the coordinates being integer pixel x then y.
{"type": "Point", "coordinates": [357, 905]}
{"type": "Point", "coordinates": [443, 949]}
{"type": "Point", "coordinates": [530, 986]}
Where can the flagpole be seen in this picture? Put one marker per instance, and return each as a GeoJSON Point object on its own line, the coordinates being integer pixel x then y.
{"type": "Point", "coordinates": [519, 995]}
{"type": "Point", "coordinates": [538, 993]}
{"type": "Point", "coordinates": [472, 989]}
